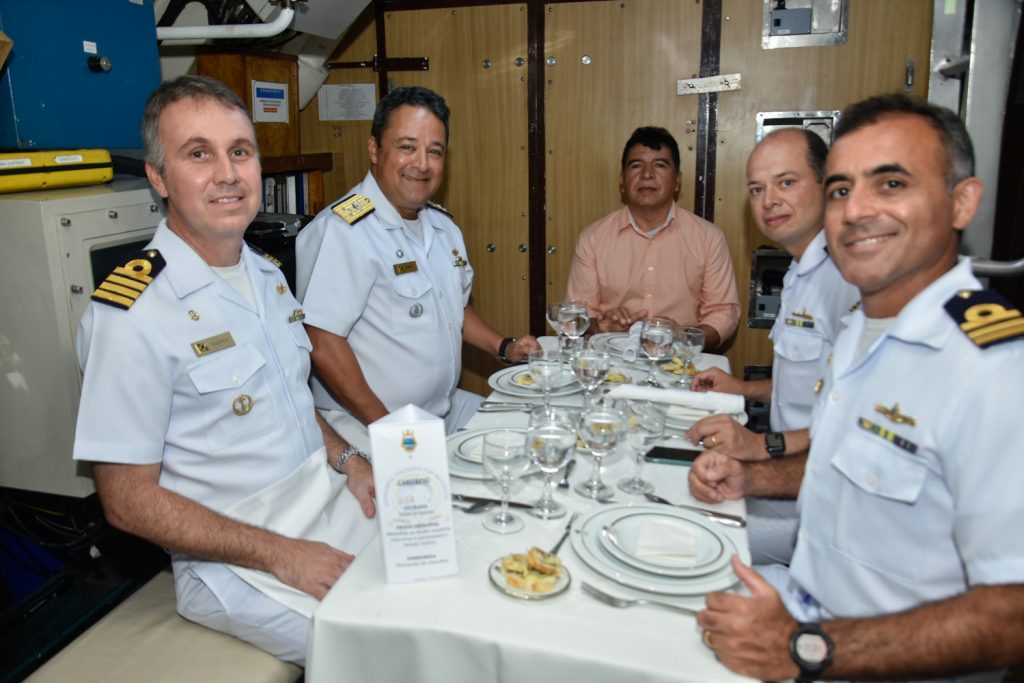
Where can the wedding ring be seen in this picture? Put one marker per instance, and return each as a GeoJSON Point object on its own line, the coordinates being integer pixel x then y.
{"type": "Point", "coordinates": [714, 440]}
{"type": "Point", "coordinates": [707, 639]}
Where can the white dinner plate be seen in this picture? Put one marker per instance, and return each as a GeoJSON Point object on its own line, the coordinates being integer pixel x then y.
{"type": "Point", "coordinates": [462, 466]}
{"type": "Point", "coordinates": [501, 583]}
{"type": "Point", "coordinates": [682, 418]}
{"type": "Point", "coordinates": [620, 538]}
{"type": "Point", "coordinates": [524, 380]}
{"type": "Point", "coordinates": [502, 381]}
{"type": "Point", "coordinates": [586, 542]}
{"type": "Point", "coordinates": [610, 342]}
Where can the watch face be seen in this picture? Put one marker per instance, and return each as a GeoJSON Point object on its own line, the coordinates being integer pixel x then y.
{"type": "Point", "coordinates": [811, 648]}
{"type": "Point", "coordinates": [774, 440]}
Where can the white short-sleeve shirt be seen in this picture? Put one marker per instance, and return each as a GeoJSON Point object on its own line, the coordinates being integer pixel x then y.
{"type": "Point", "coordinates": [400, 301]}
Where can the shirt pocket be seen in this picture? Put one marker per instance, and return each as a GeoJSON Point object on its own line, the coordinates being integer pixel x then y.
{"type": "Point", "coordinates": [798, 344]}
{"type": "Point", "coordinates": [801, 351]}
{"type": "Point", "coordinates": [234, 396]}
{"type": "Point", "coordinates": [882, 507]}
{"type": "Point", "coordinates": [413, 303]}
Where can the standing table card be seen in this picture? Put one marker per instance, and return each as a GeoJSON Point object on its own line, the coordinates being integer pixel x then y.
{"type": "Point", "coordinates": [410, 473]}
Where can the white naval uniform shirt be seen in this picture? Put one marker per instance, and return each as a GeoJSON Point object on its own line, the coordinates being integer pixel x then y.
{"type": "Point", "coordinates": [147, 397]}
{"type": "Point", "coordinates": [902, 510]}
{"type": "Point", "coordinates": [405, 329]}
{"type": "Point", "coordinates": [815, 297]}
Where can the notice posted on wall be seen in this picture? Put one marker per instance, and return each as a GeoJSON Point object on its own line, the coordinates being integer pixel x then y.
{"type": "Point", "coordinates": [348, 102]}
{"type": "Point", "coordinates": [269, 102]}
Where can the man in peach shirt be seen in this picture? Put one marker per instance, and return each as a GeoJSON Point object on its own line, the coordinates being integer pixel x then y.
{"type": "Point", "coordinates": [652, 257]}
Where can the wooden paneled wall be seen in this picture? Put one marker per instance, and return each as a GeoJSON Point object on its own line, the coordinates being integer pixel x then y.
{"type": "Point", "coordinates": [637, 50]}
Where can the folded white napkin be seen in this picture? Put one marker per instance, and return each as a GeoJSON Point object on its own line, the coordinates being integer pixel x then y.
{"type": "Point", "coordinates": [661, 542]}
{"type": "Point", "coordinates": [629, 353]}
{"type": "Point", "coordinates": [711, 401]}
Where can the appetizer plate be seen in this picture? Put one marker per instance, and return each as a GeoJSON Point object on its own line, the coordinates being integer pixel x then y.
{"type": "Point", "coordinates": [498, 581]}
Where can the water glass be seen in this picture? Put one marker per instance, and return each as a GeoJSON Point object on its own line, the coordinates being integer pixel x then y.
{"type": "Point", "coordinates": [551, 314]}
{"type": "Point", "coordinates": [601, 428]}
{"type": "Point", "coordinates": [551, 436]}
{"type": "Point", "coordinates": [689, 343]}
{"type": "Point", "coordinates": [547, 370]}
{"type": "Point", "coordinates": [574, 319]}
{"type": "Point", "coordinates": [645, 425]}
{"type": "Point", "coordinates": [505, 458]}
{"type": "Point", "coordinates": [590, 367]}
{"type": "Point", "coordinates": [656, 337]}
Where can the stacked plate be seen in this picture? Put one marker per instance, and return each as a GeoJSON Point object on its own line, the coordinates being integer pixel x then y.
{"type": "Point", "coordinates": [517, 381]}
{"type": "Point", "coordinates": [658, 549]}
{"type": "Point", "coordinates": [610, 342]}
{"type": "Point", "coordinates": [466, 454]}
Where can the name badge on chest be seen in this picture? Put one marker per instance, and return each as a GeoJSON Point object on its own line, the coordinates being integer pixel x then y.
{"type": "Point", "coordinates": [406, 267]}
{"type": "Point", "coordinates": [219, 342]}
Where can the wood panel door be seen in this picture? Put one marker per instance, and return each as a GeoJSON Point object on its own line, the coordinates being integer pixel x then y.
{"type": "Point", "coordinates": [478, 64]}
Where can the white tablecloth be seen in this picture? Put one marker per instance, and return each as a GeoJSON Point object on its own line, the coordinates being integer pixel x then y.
{"type": "Point", "coordinates": [462, 630]}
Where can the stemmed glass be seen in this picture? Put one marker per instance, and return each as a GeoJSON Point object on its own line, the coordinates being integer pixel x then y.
{"type": "Point", "coordinates": [601, 427]}
{"type": "Point", "coordinates": [689, 342]}
{"type": "Point", "coordinates": [505, 458]}
{"type": "Point", "coordinates": [551, 436]}
{"type": "Point", "coordinates": [551, 313]}
{"type": "Point", "coordinates": [590, 367]}
{"type": "Point", "coordinates": [656, 341]}
{"type": "Point", "coordinates": [546, 368]}
{"type": "Point", "coordinates": [645, 424]}
{"type": "Point", "coordinates": [574, 318]}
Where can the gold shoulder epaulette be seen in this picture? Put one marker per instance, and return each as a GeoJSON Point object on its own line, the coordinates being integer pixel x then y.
{"type": "Point", "coordinates": [353, 207]}
{"type": "Point", "coordinates": [985, 316]}
{"type": "Point", "coordinates": [441, 209]}
{"type": "Point", "coordinates": [128, 281]}
{"type": "Point", "coordinates": [265, 255]}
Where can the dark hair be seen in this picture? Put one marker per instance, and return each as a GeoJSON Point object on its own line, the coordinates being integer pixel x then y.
{"type": "Point", "coordinates": [414, 96]}
{"type": "Point", "coordinates": [817, 150]}
{"type": "Point", "coordinates": [653, 138]}
{"type": "Point", "coordinates": [169, 92]}
{"type": "Point", "coordinates": [956, 142]}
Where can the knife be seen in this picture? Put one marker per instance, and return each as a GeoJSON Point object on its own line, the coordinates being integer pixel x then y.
{"type": "Point", "coordinates": [476, 499]}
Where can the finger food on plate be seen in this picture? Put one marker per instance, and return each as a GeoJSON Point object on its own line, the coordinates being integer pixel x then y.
{"type": "Point", "coordinates": [616, 377]}
{"type": "Point", "coordinates": [536, 570]}
{"type": "Point", "coordinates": [524, 379]}
{"type": "Point", "coordinates": [678, 366]}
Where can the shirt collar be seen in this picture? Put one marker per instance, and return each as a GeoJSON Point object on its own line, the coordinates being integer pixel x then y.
{"type": "Point", "coordinates": [814, 255]}
{"type": "Point", "coordinates": [386, 213]}
{"type": "Point", "coordinates": [650, 234]}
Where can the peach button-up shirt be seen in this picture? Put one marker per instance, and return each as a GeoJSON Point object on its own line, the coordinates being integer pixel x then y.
{"type": "Point", "coordinates": [684, 272]}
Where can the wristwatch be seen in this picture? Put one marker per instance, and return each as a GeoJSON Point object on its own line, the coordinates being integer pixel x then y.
{"type": "Point", "coordinates": [503, 347]}
{"type": "Point", "coordinates": [345, 456]}
{"type": "Point", "coordinates": [812, 650]}
{"type": "Point", "coordinates": [775, 444]}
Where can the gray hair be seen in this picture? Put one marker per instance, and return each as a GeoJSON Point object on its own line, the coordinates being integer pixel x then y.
{"type": "Point", "coordinates": [169, 92]}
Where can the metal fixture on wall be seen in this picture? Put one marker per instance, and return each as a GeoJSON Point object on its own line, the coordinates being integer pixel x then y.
{"type": "Point", "coordinates": [822, 122]}
{"type": "Point", "coordinates": [804, 23]}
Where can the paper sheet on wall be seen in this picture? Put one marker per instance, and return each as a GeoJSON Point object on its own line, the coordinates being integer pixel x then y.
{"type": "Point", "coordinates": [349, 102]}
{"type": "Point", "coordinates": [269, 102]}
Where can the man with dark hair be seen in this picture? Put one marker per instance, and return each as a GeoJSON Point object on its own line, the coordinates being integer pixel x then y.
{"type": "Point", "coordinates": [385, 281]}
{"type": "Point", "coordinates": [195, 396]}
{"type": "Point", "coordinates": [784, 187]}
{"type": "Point", "coordinates": [652, 257]}
{"type": "Point", "coordinates": [908, 563]}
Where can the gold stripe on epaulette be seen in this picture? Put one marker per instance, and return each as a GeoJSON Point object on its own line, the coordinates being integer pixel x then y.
{"type": "Point", "coordinates": [997, 331]}
{"type": "Point", "coordinates": [122, 301]}
{"type": "Point", "coordinates": [126, 283]}
{"type": "Point", "coordinates": [351, 209]}
{"type": "Point", "coordinates": [118, 289]}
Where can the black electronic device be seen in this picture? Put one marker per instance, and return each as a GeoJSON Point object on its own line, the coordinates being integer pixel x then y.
{"type": "Point", "coordinates": [666, 455]}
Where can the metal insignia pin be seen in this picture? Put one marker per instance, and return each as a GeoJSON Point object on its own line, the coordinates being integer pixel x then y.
{"type": "Point", "coordinates": [281, 289]}
{"type": "Point", "coordinates": [399, 253]}
{"type": "Point", "coordinates": [242, 404]}
{"type": "Point", "coordinates": [416, 310]}
{"type": "Point", "coordinates": [193, 315]}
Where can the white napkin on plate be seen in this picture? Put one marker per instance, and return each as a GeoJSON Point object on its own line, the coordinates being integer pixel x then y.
{"type": "Point", "coordinates": [629, 353]}
{"type": "Point", "coordinates": [710, 401]}
{"type": "Point", "coordinates": [659, 542]}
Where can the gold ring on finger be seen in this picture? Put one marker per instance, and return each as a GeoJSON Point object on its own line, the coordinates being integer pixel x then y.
{"type": "Point", "coordinates": [707, 638]}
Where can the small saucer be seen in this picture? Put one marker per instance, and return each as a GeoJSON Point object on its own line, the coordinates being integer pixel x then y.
{"type": "Point", "coordinates": [499, 582]}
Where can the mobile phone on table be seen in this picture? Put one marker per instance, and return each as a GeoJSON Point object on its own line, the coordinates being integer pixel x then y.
{"type": "Point", "coordinates": [665, 455]}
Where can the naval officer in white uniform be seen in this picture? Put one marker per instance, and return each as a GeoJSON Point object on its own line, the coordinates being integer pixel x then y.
{"type": "Point", "coordinates": [385, 282]}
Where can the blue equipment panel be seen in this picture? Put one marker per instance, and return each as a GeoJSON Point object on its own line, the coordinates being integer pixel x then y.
{"type": "Point", "coordinates": [50, 98]}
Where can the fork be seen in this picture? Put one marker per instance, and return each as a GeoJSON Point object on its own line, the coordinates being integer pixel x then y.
{"type": "Point", "coordinates": [631, 602]}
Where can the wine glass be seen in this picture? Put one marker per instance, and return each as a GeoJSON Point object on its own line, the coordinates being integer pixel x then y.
{"type": "Point", "coordinates": [574, 318]}
{"type": "Point", "coordinates": [551, 436]}
{"type": "Point", "coordinates": [505, 458]}
{"type": "Point", "coordinates": [689, 342]}
{"type": "Point", "coordinates": [590, 367]}
{"type": "Point", "coordinates": [601, 427]}
{"type": "Point", "coordinates": [645, 425]}
{"type": "Point", "coordinates": [656, 341]}
{"type": "Point", "coordinates": [547, 369]}
{"type": "Point", "coordinates": [551, 313]}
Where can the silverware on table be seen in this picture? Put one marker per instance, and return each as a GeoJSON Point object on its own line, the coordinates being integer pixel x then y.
{"type": "Point", "coordinates": [565, 534]}
{"type": "Point", "coordinates": [615, 601]}
{"type": "Point", "coordinates": [514, 406]}
{"type": "Point", "coordinates": [476, 499]}
{"type": "Point", "coordinates": [564, 483]}
{"type": "Point", "coordinates": [720, 517]}
{"type": "Point", "coordinates": [473, 508]}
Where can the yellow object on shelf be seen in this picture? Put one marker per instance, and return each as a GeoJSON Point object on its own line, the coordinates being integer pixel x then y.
{"type": "Point", "coordinates": [25, 171]}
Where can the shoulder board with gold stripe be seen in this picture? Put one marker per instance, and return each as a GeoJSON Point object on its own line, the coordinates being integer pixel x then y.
{"type": "Point", "coordinates": [441, 209]}
{"type": "Point", "coordinates": [257, 250]}
{"type": "Point", "coordinates": [127, 282]}
{"type": "Point", "coordinates": [985, 317]}
{"type": "Point", "coordinates": [353, 207]}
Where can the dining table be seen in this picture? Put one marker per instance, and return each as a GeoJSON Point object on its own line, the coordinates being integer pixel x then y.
{"type": "Point", "coordinates": [464, 629]}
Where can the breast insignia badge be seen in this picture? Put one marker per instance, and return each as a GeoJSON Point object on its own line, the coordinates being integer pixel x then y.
{"type": "Point", "coordinates": [985, 317]}
{"type": "Point", "coordinates": [895, 415]}
{"type": "Point", "coordinates": [353, 207]}
{"type": "Point", "coordinates": [242, 404]}
{"type": "Point", "coordinates": [459, 261]}
{"type": "Point", "coordinates": [125, 284]}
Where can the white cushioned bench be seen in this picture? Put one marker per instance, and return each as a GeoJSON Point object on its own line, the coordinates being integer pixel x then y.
{"type": "Point", "coordinates": [145, 639]}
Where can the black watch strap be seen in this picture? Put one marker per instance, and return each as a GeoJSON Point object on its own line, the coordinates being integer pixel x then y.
{"type": "Point", "coordinates": [775, 444]}
{"type": "Point", "coordinates": [811, 649]}
{"type": "Point", "coordinates": [503, 348]}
